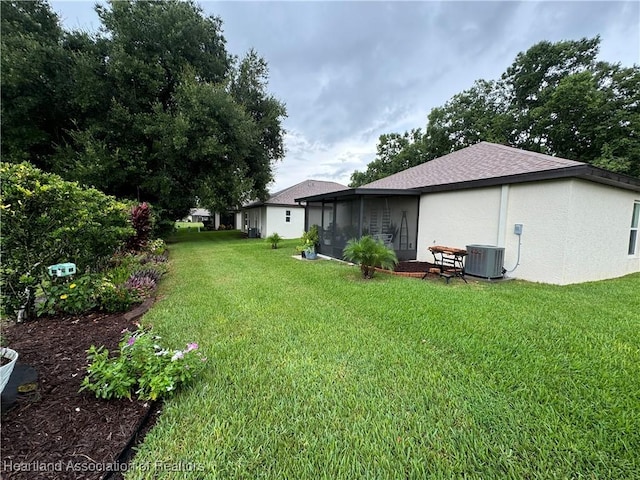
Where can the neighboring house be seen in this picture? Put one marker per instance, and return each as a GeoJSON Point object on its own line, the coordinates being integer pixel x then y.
{"type": "Point", "coordinates": [578, 222]}
{"type": "Point", "coordinates": [281, 213]}
{"type": "Point", "coordinates": [199, 215]}
{"type": "Point", "coordinates": [230, 219]}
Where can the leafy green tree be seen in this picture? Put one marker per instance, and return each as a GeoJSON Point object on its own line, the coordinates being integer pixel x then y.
{"type": "Point", "coordinates": [477, 114]}
{"type": "Point", "coordinates": [535, 74]}
{"type": "Point", "coordinates": [249, 88]}
{"type": "Point", "coordinates": [555, 99]}
{"type": "Point", "coordinates": [396, 152]}
{"type": "Point", "coordinates": [34, 82]}
{"type": "Point", "coordinates": [152, 108]}
{"type": "Point", "coordinates": [369, 254]}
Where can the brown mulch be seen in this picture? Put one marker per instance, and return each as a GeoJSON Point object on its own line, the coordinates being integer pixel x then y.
{"type": "Point", "coordinates": [55, 431]}
{"type": "Point", "coordinates": [413, 266]}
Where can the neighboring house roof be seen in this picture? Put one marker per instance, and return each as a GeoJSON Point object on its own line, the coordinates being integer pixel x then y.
{"type": "Point", "coordinates": [288, 196]}
{"type": "Point", "coordinates": [200, 212]}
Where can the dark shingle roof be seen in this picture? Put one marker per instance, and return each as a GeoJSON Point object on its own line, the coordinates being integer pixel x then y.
{"type": "Point", "coordinates": [483, 160]}
{"type": "Point", "coordinates": [302, 189]}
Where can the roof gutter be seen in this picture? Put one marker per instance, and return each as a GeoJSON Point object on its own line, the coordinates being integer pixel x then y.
{"type": "Point", "coordinates": [356, 192]}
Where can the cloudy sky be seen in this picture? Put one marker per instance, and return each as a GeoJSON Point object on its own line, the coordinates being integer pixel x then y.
{"type": "Point", "coordinates": [351, 71]}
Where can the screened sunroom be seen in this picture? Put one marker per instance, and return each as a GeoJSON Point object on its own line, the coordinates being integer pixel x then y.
{"type": "Point", "coordinates": [390, 216]}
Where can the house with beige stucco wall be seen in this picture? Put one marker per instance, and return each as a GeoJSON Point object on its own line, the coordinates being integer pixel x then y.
{"type": "Point", "coordinates": [281, 213]}
{"type": "Point", "coordinates": [553, 220]}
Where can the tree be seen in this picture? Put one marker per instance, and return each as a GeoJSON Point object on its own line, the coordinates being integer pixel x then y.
{"type": "Point", "coordinates": [479, 113]}
{"type": "Point", "coordinates": [156, 108]}
{"type": "Point", "coordinates": [35, 82]}
{"type": "Point", "coordinates": [555, 99]}
{"type": "Point", "coordinates": [396, 152]}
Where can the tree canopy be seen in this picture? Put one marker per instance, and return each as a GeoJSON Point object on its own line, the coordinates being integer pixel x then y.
{"type": "Point", "coordinates": [555, 99]}
{"type": "Point", "coordinates": [152, 107]}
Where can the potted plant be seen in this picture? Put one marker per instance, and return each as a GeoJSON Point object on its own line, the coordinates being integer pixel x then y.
{"type": "Point", "coordinates": [310, 239]}
{"type": "Point", "coordinates": [369, 254]}
{"type": "Point", "coordinates": [8, 359]}
{"type": "Point", "coordinates": [274, 239]}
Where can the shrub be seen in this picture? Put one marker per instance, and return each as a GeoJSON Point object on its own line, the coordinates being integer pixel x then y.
{"type": "Point", "coordinates": [149, 272]}
{"type": "Point", "coordinates": [113, 298]}
{"type": "Point", "coordinates": [157, 247]}
{"type": "Point", "coordinates": [140, 287]}
{"type": "Point", "coordinates": [69, 296]}
{"type": "Point", "coordinates": [143, 367]}
{"type": "Point", "coordinates": [369, 253]}
{"type": "Point", "coordinates": [46, 220]}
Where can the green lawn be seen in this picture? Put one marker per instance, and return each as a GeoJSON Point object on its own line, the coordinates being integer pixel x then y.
{"type": "Point", "coordinates": [315, 373]}
{"type": "Point", "coordinates": [189, 225]}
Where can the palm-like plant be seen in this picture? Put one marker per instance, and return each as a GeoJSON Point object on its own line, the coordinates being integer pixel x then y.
{"type": "Point", "coordinates": [369, 254]}
{"type": "Point", "coordinates": [274, 239]}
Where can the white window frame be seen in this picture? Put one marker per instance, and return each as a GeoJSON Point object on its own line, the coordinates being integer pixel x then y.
{"type": "Point", "coordinates": [634, 235]}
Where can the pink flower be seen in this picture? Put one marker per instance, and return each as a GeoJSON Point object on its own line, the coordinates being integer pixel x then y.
{"type": "Point", "coordinates": [191, 346]}
{"type": "Point", "coordinates": [131, 341]}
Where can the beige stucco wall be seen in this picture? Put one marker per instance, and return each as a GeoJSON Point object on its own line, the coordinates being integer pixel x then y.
{"type": "Point", "coordinates": [573, 230]}
{"type": "Point", "coordinates": [598, 235]}
{"type": "Point", "coordinates": [457, 219]}
{"type": "Point", "coordinates": [276, 222]}
{"type": "Point", "coordinates": [271, 219]}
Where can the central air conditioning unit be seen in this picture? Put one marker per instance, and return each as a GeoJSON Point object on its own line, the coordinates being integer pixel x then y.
{"type": "Point", "coordinates": [485, 261]}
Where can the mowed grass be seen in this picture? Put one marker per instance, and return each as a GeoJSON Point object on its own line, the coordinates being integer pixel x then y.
{"type": "Point", "coordinates": [315, 373]}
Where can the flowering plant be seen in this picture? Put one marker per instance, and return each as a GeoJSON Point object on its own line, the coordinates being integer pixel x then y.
{"type": "Point", "coordinates": [143, 367]}
{"type": "Point", "coordinates": [70, 296]}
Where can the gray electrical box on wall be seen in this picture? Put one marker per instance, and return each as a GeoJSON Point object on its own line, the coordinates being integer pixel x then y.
{"type": "Point", "coordinates": [518, 229]}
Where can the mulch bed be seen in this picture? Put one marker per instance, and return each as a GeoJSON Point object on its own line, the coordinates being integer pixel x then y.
{"type": "Point", "coordinates": [55, 431]}
{"type": "Point", "coordinates": [413, 267]}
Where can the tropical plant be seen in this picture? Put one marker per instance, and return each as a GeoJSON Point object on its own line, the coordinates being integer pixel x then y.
{"type": "Point", "coordinates": [369, 254]}
{"type": "Point", "coordinates": [274, 239]}
{"type": "Point", "coordinates": [142, 222]}
{"type": "Point", "coordinates": [310, 238]}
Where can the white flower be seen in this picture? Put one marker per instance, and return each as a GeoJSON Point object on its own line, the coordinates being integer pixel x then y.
{"type": "Point", "coordinates": [178, 354]}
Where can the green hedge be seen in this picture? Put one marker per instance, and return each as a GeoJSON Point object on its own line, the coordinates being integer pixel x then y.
{"type": "Point", "coordinates": [47, 220]}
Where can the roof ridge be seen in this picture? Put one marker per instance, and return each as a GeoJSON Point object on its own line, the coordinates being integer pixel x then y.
{"type": "Point", "coordinates": [522, 151]}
